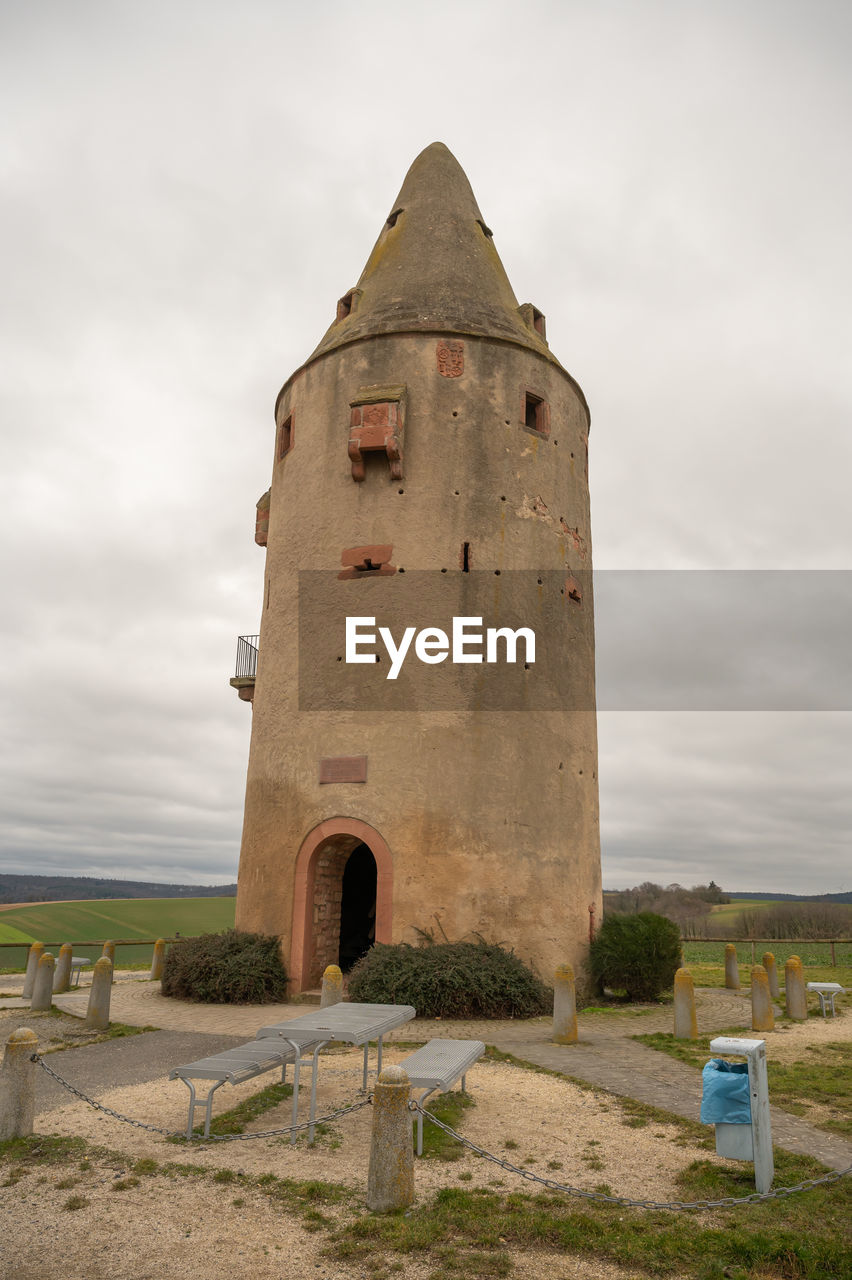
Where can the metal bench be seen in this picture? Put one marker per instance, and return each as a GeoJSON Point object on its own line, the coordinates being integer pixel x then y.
{"type": "Point", "coordinates": [232, 1066]}
{"type": "Point", "coordinates": [436, 1067]}
{"type": "Point", "coordinates": [826, 991]}
{"type": "Point", "coordinates": [78, 963]}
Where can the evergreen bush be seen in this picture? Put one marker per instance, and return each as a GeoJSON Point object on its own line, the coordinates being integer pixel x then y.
{"type": "Point", "coordinates": [226, 968]}
{"type": "Point", "coordinates": [639, 954]}
{"type": "Point", "coordinates": [450, 980]}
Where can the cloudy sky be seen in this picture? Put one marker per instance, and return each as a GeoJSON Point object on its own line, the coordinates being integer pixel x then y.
{"type": "Point", "coordinates": [188, 187]}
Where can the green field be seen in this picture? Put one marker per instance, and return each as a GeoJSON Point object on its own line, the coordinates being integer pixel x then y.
{"type": "Point", "coordinates": [728, 913]}
{"type": "Point", "coordinates": [81, 922]}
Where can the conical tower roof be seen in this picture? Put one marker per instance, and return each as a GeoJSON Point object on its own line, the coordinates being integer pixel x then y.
{"type": "Point", "coordinates": [433, 268]}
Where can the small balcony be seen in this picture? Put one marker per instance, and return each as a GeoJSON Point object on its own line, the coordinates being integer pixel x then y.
{"type": "Point", "coordinates": [246, 669]}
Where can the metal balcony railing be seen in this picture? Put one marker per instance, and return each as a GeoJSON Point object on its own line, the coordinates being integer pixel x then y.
{"type": "Point", "coordinates": [246, 657]}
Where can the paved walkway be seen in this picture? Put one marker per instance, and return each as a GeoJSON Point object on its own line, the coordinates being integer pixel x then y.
{"type": "Point", "coordinates": [606, 1056]}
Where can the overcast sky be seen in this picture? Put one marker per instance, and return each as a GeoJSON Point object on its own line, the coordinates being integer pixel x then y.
{"type": "Point", "coordinates": [187, 188]}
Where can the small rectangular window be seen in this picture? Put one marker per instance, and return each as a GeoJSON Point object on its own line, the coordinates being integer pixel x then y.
{"type": "Point", "coordinates": [536, 414]}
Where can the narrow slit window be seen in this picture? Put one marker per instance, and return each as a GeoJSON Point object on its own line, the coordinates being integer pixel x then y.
{"type": "Point", "coordinates": [394, 217]}
{"type": "Point", "coordinates": [344, 306]}
{"type": "Point", "coordinates": [465, 557]}
{"type": "Point", "coordinates": [285, 436]}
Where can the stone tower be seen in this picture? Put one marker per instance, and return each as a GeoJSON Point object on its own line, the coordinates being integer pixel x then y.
{"type": "Point", "coordinates": [431, 434]}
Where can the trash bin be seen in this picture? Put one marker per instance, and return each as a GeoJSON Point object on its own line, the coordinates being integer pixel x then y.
{"type": "Point", "coordinates": [726, 1103]}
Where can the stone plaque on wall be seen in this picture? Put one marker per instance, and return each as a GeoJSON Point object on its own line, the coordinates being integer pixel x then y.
{"type": "Point", "coordinates": [343, 769]}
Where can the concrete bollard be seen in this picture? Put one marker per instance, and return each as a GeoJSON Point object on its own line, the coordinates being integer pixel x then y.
{"type": "Point", "coordinates": [762, 1013]}
{"type": "Point", "coordinates": [42, 997]}
{"type": "Point", "coordinates": [109, 951]}
{"type": "Point", "coordinates": [157, 960]}
{"type": "Point", "coordinates": [17, 1085]}
{"type": "Point", "coordinates": [390, 1180]}
{"type": "Point", "coordinates": [732, 969]}
{"type": "Point", "coordinates": [768, 962]}
{"type": "Point", "coordinates": [564, 1006]}
{"type": "Point", "coordinates": [97, 1012]}
{"type": "Point", "coordinates": [685, 1020]}
{"type": "Point", "coordinates": [62, 972]}
{"type": "Point", "coordinates": [36, 953]}
{"type": "Point", "coordinates": [795, 997]}
{"type": "Point", "coordinates": [332, 986]}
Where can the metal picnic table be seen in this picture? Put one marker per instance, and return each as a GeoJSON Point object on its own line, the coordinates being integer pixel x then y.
{"type": "Point", "coordinates": [349, 1023]}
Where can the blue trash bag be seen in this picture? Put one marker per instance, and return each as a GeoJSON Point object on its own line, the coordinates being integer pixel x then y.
{"type": "Point", "coordinates": [726, 1098]}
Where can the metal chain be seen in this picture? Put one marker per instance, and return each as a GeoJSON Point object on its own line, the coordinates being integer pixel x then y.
{"type": "Point", "coordinates": [552, 1185]}
{"type": "Point", "coordinates": [212, 1137]}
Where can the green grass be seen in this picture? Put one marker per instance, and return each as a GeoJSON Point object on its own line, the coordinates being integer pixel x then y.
{"type": "Point", "coordinates": [811, 952]}
{"type": "Point", "coordinates": [57, 922]}
{"type": "Point", "coordinates": [449, 1108]}
{"type": "Point", "coordinates": [823, 1078]}
{"type": "Point", "coordinates": [468, 1232]}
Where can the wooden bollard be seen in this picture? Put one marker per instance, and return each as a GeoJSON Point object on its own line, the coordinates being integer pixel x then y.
{"type": "Point", "coordinates": [768, 962]}
{"type": "Point", "coordinates": [36, 953]}
{"type": "Point", "coordinates": [762, 1013]}
{"type": "Point", "coordinates": [17, 1085]}
{"type": "Point", "coordinates": [157, 960]}
{"type": "Point", "coordinates": [332, 986]}
{"type": "Point", "coordinates": [795, 995]}
{"type": "Point", "coordinates": [732, 969]}
{"type": "Point", "coordinates": [390, 1179]}
{"type": "Point", "coordinates": [685, 1019]}
{"type": "Point", "coordinates": [62, 972]}
{"type": "Point", "coordinates": [564, 1006]}
{"type": "Point", "coordinates": [97, 1013]}
{"type": "Point", "coordinates": [42, 997]}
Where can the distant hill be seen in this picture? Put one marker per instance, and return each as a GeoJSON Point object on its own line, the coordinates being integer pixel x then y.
{"type": "Point", "coordinates": [794, 897]}
{"type": "Point", "coordinates": [29, 888]}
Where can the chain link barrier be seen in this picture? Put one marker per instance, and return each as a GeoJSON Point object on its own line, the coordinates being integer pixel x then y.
{"type": "Point", "coordinates": [213, 1137]}
{"type": "Point", "coordinates": [725, 1203]}
{"type": "Point", "coordinates": [551, 1184]}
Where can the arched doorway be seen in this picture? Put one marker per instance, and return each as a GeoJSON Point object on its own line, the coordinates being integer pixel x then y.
{"type": "Point", "coordinates": [357, 906]}
{"type": "Point", "coordinates": [342, 901]}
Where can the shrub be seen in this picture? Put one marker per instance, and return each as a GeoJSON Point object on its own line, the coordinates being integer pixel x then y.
{"type": "Point", "coordinates": [450, 980]}
{"type": "Point", "coordinates": [226, 968]}
{"type": "Point", "coordinates": [638, 954]}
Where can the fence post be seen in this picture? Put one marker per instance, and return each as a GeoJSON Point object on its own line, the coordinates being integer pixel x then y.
{"type": "Point", "coordinates": [564, 1006]}
{"type": "Point", "coordinates": [685, 1019]}
{"type": "Point", "coordinates": [768, 962]}
{"type": "Point", "coordinates": [35, 954]}
{"type": "Point", "coordinates": [97, 1012]}
{"type": "Point", "coordinates": [62, 973]}
{"type": "Point", "coordinates": [17, 1085]}
{"type": "Point", "coordinates": [332, 986]}
{"type": "Point", "coordinates": [157, 960]}
{"type": "Point", "coordinates": [42, 997]}
{"type": "Point", "coordinates": [732, 971]}
{"type": "Point", "coordinates": [795, 995]}
{"type": "Point", "coordinates": [762, 1015]}
{"type": "Point", "coordinates": [390, 1179]}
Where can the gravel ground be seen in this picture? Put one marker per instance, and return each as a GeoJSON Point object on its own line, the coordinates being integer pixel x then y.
{"type": "Point", "coordinates": [167, 1226]}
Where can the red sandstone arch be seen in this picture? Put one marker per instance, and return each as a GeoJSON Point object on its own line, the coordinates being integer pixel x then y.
{"type": "Point", "coordinates": [343, 831]}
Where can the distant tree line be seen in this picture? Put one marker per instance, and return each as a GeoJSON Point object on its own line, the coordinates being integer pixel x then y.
{"type": "Point", "coordinates": [31, 888]}
{"type": "Point", "coordinates": [688, 908]}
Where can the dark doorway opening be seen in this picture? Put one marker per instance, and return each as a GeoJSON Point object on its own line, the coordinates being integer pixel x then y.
{"type": "Point", "coordinates": [357, 907]}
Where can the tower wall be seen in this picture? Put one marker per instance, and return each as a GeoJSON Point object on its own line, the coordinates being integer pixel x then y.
{"type": "Point", "coordinates": [488, 819]}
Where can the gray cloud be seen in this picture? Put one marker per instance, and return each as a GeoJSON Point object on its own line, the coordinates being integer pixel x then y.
{"type": "Point", "coordinates": [188, 188]}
